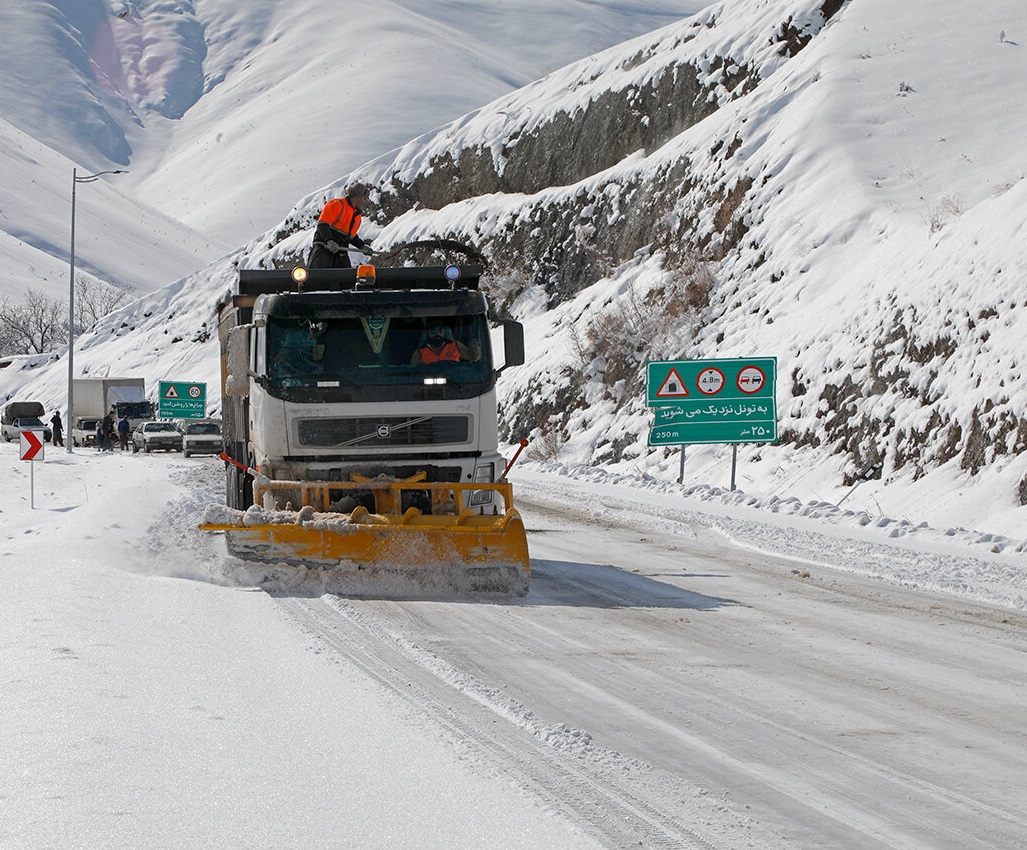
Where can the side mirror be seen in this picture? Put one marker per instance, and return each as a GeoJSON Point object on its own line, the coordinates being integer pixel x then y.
{"type": "Point", "coordinates": [237, 362]}
{"type": "Point", "coordinates": [513, 342]}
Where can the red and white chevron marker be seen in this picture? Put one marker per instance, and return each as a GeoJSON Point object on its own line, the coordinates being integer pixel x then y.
{"type": "Point", "coordinates": [31, 449]}
{"type": "Point", "coordinates": [31, 445]}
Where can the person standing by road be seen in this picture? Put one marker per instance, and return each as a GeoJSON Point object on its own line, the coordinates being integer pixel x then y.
{"type": "Point", "coordinates": [123, 429]}
{"type": "Point", "coordinates": [58, 428]}
{"type": "Point", "coordinates": [336, 231]}
{"type": "Point", "coordinates": [110, 431]}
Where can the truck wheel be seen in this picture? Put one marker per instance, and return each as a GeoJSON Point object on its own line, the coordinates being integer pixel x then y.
{"type": "Point", "coordinates": [240, 488]}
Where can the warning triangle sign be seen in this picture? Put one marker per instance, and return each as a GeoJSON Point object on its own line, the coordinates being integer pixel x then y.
{"type": "Point", "coordinates": [672, 386]}
{"type": "Point", "coordinates": [171, 393]}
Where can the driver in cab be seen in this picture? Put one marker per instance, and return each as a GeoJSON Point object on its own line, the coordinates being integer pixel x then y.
{"type": "Point", "coordinates": [439, 346]}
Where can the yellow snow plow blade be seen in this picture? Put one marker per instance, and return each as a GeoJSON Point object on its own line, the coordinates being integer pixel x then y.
{"type": "Point", "coordinates": [469, 539]}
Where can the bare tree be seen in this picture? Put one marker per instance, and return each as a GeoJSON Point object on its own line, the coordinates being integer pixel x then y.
{"type": "Point", "coordinates": [37, 325]}
{"type": "Point", "coordinates": [8, 339]}
{"type": "Point", "coordinates": [94, 299]}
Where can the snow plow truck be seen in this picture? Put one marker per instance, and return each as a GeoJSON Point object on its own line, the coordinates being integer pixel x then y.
{"type": "Point", "coordinates": [360, 430]}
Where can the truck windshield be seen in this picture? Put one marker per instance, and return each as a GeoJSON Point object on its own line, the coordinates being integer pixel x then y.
{"type": "Point", "coordinates": [134, 409]}
{"type": "Point", "coordinates": [379, 358]}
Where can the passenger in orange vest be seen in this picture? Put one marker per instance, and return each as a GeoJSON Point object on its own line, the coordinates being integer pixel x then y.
{"type": "Point", "coordinates": [336, 231]}
{"type": "Point", "coordinates": [440, 347]}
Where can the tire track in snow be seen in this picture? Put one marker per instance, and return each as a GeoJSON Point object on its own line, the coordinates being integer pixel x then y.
{"type": "Point", "coordinates": [620, 801]}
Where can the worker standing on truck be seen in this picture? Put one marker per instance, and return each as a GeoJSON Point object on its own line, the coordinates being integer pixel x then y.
{"type": "Point", "coordinates": [336, 230]}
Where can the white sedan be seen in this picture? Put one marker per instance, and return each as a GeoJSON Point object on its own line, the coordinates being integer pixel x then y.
{"type": "Point", "coordinates": [154, 436]}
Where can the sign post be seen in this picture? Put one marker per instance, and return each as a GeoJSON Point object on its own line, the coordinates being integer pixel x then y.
{"type": "Point", "coordinates": [712, 401]}
{"type": "Point", "coordinates": [31, 447]}
{"type": "Point", "coordinates": [183, 400]}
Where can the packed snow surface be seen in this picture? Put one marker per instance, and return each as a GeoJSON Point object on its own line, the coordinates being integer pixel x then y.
{"type": "Point", "coordinates": [154, 695]}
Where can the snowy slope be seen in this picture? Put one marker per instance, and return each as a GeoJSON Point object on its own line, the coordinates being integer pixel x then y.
{"type": "Point", "coordinates": [870, 230]}
{"type": "Point", "coordinates": [692, 666]}
{"type": "Point", "coordinates": [117, 239]}
{"type": "Point", "coordinates": [858, 191]}
{"type": "Point", "coordinates": [224, 113]}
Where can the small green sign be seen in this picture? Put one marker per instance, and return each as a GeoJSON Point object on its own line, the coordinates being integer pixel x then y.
{"type": "Point", "coordinates": [712, 401]}
{"type": "Point", "coordinates": [183, 400]}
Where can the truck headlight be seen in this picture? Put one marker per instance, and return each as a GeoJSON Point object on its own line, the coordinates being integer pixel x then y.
{"type": "Point", "coordinates": [484, 473]}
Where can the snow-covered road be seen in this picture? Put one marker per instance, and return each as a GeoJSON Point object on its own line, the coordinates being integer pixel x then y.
{"type": "Point", "coordinates": [677, 690]}
{"type": "Point", "coordinates": [665, 683]}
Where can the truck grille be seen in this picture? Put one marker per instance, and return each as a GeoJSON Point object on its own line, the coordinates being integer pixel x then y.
{"type": "Point", "coordinates": [378, 431]}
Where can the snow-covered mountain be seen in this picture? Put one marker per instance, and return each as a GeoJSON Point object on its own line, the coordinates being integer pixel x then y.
{"type": "Point", "coordinates": [223, 113]}
{"type": "Point", "coordinates": [839, 185]}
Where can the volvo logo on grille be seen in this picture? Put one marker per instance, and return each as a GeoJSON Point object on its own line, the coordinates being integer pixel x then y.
{"type": "Point", "coordinates": [384, 431]}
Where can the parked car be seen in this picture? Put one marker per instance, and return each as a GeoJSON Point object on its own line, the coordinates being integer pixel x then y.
{"type": "Point", "coordinates": [154, 436]}
{"type": "Point", "coordinates": [12, 430]}
{"type": "Point", "coordinates": [201, 437]}
{"type": "Point", "coordinates": [84, 432]}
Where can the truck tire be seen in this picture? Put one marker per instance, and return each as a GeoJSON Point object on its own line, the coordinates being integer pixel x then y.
{"type": "Point", "coordinates": [240, 488]}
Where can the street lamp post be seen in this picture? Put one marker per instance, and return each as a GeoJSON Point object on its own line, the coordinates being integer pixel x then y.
{"type": "Point", "coordinates": [75, 180]}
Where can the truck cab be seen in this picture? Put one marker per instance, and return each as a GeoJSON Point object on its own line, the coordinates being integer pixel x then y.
{"type": "Point", "coordinates": [337, 384]}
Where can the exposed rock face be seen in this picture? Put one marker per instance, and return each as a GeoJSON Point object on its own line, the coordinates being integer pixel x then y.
{"type": "Point", "coordinates": [547, 239]}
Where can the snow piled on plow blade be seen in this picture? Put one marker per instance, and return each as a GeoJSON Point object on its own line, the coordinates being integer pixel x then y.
{"type": "Point", "coordinates": [368, 554]}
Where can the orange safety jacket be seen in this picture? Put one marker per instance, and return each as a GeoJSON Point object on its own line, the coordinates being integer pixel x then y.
{"type": "Point", "coordinates": [342, 215]}
{"type": "Point", "coordinates": [449, 352]}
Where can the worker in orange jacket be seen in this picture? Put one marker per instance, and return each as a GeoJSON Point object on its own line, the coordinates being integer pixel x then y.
{"type": "Point", "coordinates": [439, 346]}
{"type": "Point", "coordinates": [336, 231]}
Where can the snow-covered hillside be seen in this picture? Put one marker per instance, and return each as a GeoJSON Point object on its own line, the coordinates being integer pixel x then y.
{"type": "Point", "coordinates": [845, 193]}
{"type": "Point", "coordinates": [118, 240]}
{"type": "Point", "coordinates": [858, 198]}
{"type": "Point", "coordinates": [223, 113]}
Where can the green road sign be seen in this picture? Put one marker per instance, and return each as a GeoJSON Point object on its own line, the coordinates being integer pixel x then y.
{"type": "Point", "coordinates": [683, 432]}
{"type": "Point", "coordinates": [712, 401]}
{"type": "Point", "coordinates": [183, 400]}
